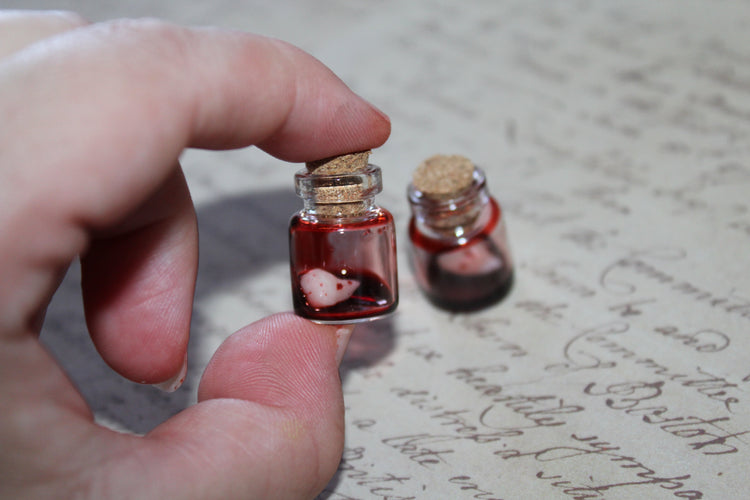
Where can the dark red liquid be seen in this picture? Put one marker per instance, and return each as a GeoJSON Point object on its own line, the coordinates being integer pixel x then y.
{"type": "Point", "coordinates": [462, 292]}
{"type": "Point", "coordinates": [363, 251]}
{"type": "Point", "coordinates": [458, 292]}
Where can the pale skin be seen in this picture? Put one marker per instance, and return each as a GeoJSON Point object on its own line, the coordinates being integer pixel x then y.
{"type": "Point", "coordinates": [94, 118]}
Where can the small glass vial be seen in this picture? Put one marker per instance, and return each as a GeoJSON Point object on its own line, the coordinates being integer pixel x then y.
{"type": "Point", "coordinates": [342, 247]}
{"type": "Point", "coordinates": [459, 246]}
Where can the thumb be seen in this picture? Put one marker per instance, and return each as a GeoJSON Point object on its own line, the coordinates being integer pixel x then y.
{"type": "Point", "coordinates": [270, 417]}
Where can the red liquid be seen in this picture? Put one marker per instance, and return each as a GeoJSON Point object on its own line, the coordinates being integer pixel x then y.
{"type": "Point", "coordinates": [464, 291]}
{"type": "Point", "coordinates": [364, 252]}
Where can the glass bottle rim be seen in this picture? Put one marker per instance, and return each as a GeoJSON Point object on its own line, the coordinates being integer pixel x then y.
{"type": "Point", "coordinates": [339, 187]}
{"type": "Point", "coordinates": [464, 197]}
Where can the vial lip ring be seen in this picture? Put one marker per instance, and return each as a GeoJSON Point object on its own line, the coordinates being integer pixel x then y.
{"type": "Point", "coordinates": [456, 204]}
{"type": "Point", "coordinates": [338, 188]}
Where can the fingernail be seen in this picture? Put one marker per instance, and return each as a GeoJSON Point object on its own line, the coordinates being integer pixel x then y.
{"type": "Point", "coordinates": [343, 334]}
{"type": "Point", "coordinates": [175, 382]}
{"type": "Point", "coordinates": [380, 112]}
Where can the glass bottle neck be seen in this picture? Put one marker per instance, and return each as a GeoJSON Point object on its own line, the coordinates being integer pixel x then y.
{"type": "Point", "coordinates": [346, 212]}
{"type": "Point", "coordinates": [346, 196]}
{"type": "Point", "coordinates": [460, 216]}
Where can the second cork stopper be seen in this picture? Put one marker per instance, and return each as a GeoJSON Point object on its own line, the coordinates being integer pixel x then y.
{"type": "Point", "coordinates": [444, 176]}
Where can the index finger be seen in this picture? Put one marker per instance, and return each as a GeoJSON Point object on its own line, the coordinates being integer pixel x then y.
{"type": "Point", "coordinates": [104, 112]}
{"type": "Point", "coordinates": [20, 28]}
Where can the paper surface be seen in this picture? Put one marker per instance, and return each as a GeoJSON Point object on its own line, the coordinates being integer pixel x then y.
{"type": "Point", "coordinates": [615, 137]}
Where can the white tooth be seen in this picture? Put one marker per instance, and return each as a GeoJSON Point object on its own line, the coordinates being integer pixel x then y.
{"type": "Point", "coordinates": [471, 260]}
{"type": "Point", "coordinates": [323, 289]}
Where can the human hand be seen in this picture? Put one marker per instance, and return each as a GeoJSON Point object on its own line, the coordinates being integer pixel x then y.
{"type": "Point", "coordinates": [94, 119]}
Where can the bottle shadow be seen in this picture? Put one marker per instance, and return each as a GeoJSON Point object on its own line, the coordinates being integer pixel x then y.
{"type": "Point", "coordinates": [370, 343]}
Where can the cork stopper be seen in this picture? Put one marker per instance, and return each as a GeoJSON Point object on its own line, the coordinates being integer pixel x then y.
{"type": "Point", "coordinates": [340, 184]}
{"type": "Point", "coordinates": [443, 176]}
{"type": "Point", "coordinates": [342, 164]}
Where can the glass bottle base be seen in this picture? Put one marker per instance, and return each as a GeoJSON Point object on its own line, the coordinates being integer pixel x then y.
{"type": "Point", "coordinates": [347, 321]}
{"type": "Point", "coordinates": [463, 299]}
